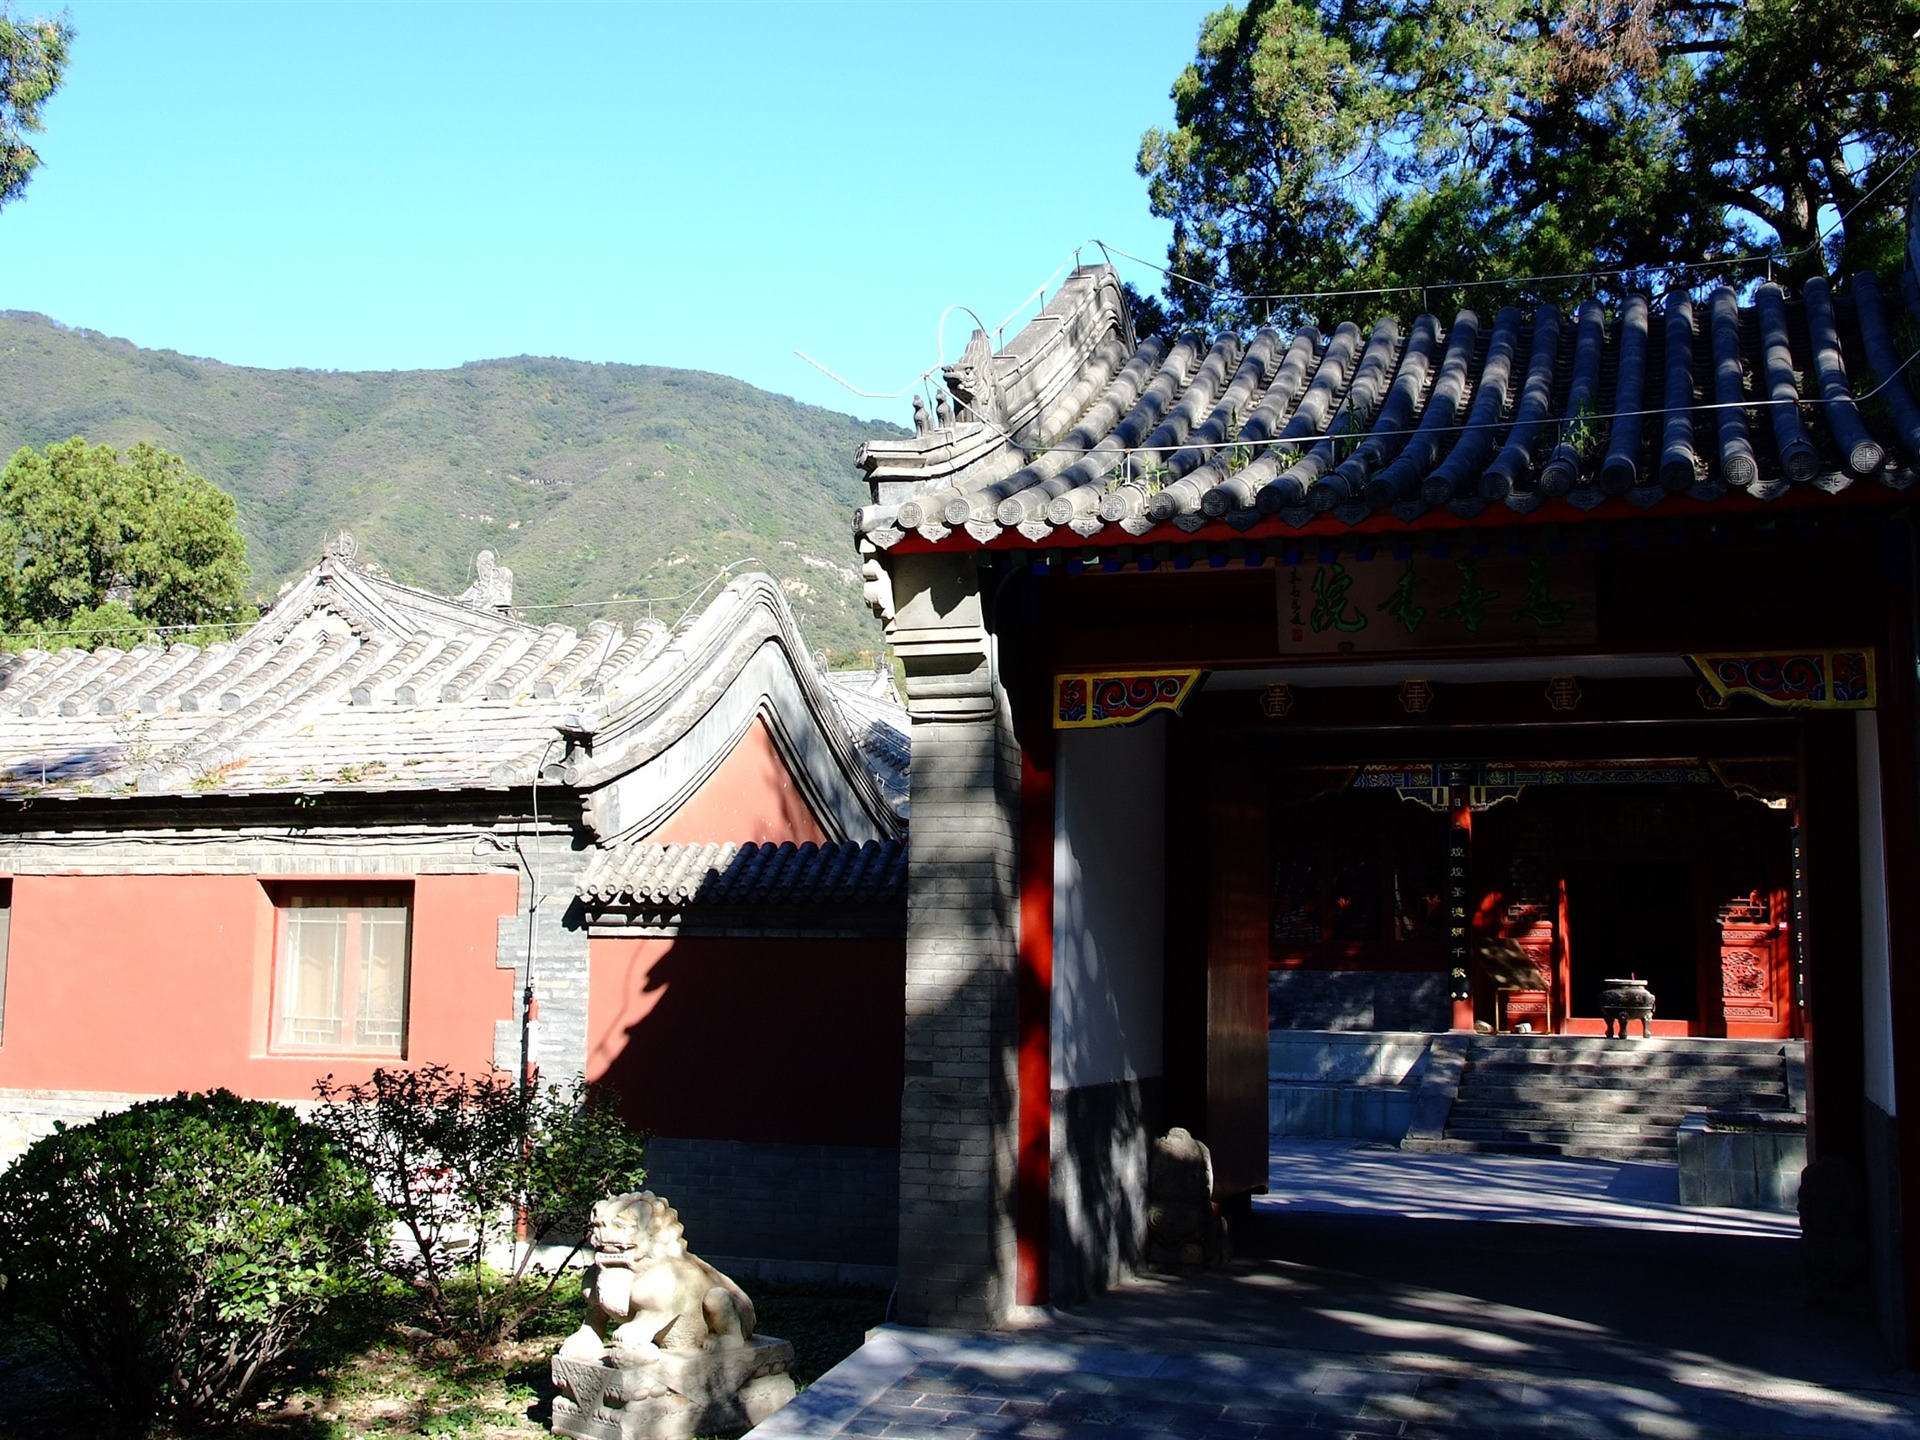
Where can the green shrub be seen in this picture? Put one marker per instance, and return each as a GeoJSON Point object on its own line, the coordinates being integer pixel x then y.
{"type": "Point", "coordinates": [471, 1166]}
{"type": "Point", "coordinates": [173, 1253]}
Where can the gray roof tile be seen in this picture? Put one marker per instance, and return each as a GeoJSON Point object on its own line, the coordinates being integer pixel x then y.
{"type": "Point", "coordinates": [1076, 434]}
{"type": "Point", "coordinates": [353, 681]}
{"type": "Point", "coordinates": [674, 877]}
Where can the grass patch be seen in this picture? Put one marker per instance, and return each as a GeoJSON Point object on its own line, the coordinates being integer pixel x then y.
{"type": "Point", "coordinates": [367, 1373]}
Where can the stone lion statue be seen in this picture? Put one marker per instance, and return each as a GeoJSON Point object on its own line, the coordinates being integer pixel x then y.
{"type": "Point", "coordinates": [644, 1292]}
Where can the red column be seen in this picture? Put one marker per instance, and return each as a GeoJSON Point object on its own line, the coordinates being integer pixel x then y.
{"type": "Point", "coordinates": [1032, 1213]}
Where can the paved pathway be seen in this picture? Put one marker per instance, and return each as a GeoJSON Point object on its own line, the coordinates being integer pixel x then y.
{"type": "Point", "coordinates": [1348, 1321]}
{"type": "Point", "coordinates": [1351, 1177]}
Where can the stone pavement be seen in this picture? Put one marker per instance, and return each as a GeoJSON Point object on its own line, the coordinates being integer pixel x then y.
{"type": "Point", "coordinates": [1351, 1177]}
{"type": "Point", "coordinates": [1361, 1323]}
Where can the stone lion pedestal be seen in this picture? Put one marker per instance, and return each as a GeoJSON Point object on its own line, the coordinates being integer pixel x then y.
{"type": "Point", "coordinates": [668, 1350]}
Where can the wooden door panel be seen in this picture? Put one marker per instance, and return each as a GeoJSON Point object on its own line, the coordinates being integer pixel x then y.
{"type": "Point", "coordinates": [1237, 941]}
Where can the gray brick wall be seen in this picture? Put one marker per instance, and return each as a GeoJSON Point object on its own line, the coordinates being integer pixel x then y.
{"type": "Point", "coordinates": [559, 937]}
{"type": "Point", "coordinates": [1357, 1000]}
{"type": "Point", "coordinates": [814, 1211]}
{"type": "Point", "coordinates": [30, 1115]}
{"type": "Point", "coordinates": [956, 1238]}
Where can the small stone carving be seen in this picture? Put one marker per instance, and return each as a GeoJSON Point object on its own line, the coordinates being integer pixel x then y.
{"type": "Point", "coordinates": [974, 384]}
{"type": "Point", "coordinates": [943, 407]}
{"type": "Point", "coordinates": [493, 589]}
{"type": "Point", "coordinates": [1185, 1229]}
{"type": "Point", "coordinates": [668, 1349]}
{"type": "Point", "coordinates": [922, 421]}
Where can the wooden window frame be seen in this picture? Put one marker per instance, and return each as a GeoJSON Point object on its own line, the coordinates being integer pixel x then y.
{"type": "Point", "coordinates": [350, 965]}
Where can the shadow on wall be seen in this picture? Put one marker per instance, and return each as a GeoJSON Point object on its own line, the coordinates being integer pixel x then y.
{"type": "Point", "coordinates": [1098, 1216]}
{"type": "Point", "coordinates": [759, 1038]}
{"type": "Point", "coordinates": [1108, 1094]}
{"type": "Point", "coordinates": [72, 765]}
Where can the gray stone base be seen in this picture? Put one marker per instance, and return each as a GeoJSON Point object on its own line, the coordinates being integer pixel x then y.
{"type": "Point", "coordinates": [669, 1395]}
{"type": "Point", "coordinates": [1357, 1000]}
{"type": "Point", "coordinates": [1339, 1112]}
{"type": "Point", "coordinates": [1343, 1085]}
{"type": "Point", "coordinates": [1883, 1225]}
{"type": "Point", "coordinates": [1754, 1167]}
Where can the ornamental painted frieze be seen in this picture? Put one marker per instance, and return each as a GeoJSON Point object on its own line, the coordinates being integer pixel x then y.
{"type": "Point", "coordinates": [1793, 679]}
{"type": "Point", "coordinates": [1085, 701]}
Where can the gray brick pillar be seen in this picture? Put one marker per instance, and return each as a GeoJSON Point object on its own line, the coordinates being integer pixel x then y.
{"type": "Point", "coordinates": [561, 970]}
{"type": "Point", "coordinates": [957, 1118]}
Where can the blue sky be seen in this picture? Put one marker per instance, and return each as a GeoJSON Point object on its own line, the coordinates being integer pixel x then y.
{"type": "Point", "coordinates": [391, 186]}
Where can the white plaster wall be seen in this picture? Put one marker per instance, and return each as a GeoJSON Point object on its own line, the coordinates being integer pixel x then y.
{"type": "Point", "coordinates": [1876, 990]}
{"type": "Point", "coordinates": [1109, 884]}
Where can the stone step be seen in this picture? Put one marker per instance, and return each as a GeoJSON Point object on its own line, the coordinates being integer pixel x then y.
{"type": "Point", "coordinates": [1728, 1099]}
{"type": "Point", "coordinates": [1575, 1080]}
{"type": "Point", "coordinates": [1633, 1115]}
{"type": "Point", "coordinates": [1505, 1065]}
{"type": "Point", "coordinates": [1548, 1129]}
{"type": "Point", "coordinates": [1643, 1153]}
{"type": "Point", "coordinates": [1605, 1098]}
{"type": "Point", "coordinates": [1550, 1084]}
{"type": "Point", "coordinates": [1534, 1120]}
{"type": "Point", "coordinates": [1600, 1140]}
{"type": "Point", "coordinates": [1591, 1051]}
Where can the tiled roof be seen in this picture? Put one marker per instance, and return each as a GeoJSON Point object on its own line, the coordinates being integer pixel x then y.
{"type": "Point", "coordinates": [355, 682]}
{"type": "Point", "coordinates": [674, 877]}
{"type": "Point", "coordinates": [877, 717]}
{"type": "Point", "coordinates": [1075, 434]}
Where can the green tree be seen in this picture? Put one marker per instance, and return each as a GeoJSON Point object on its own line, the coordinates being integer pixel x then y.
{"type": "Point", "coordinates": [33, 57]}
{"type": "Point", "coordinates": [107, 546]}
{"type": "Point", "coordinates": [175, 1252]}
{"type": "Point", "coordinates": [474, 1166]}
{"type": "Point", "coordinates": [1357, 143]}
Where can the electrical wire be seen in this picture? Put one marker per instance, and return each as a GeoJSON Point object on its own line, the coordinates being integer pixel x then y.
{"type": "Point", "coordinates": [648, 600]}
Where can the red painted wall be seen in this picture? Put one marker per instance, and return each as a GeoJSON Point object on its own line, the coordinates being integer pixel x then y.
{"type": "Point", "coordinates": [793, 1041]}
{"type": "Point", "coordinates": [157, 983]}
{"type": "Point", "coordinates": [750, 1038]}
{"type": "Point", "coordinates": [751, 796]}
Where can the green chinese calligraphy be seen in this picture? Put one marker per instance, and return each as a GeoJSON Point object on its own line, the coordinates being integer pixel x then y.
{"type": "Point", "coordinates": [1331, 608]}
{"type": "Point", "coordinates": [1470, 609]}
{"type": "Point", "coordinates": [1537, 603]}
{"type": "Point", "coordinates": [1400, 605]}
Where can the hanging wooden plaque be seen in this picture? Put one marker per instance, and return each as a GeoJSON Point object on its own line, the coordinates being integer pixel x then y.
{"type": "Point", "coordinates": [1348, 606]}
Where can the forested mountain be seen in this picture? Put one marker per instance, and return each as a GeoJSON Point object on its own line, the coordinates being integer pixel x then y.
{"type": "Point", "coordinates": [593, 482]}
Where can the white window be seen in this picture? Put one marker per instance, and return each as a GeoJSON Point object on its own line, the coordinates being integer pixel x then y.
{"type": "Point", "coordinates": [340, 980]}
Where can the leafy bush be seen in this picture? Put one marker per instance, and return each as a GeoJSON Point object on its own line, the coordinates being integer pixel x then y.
{"type": "Point", "coordinates": [174, 1252]}
{"type": "Point", "coordinates": [471, 1166]}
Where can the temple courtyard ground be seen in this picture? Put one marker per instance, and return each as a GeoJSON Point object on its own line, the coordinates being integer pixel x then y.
{"type": "Point", "coordinates": [1383, 1293]}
